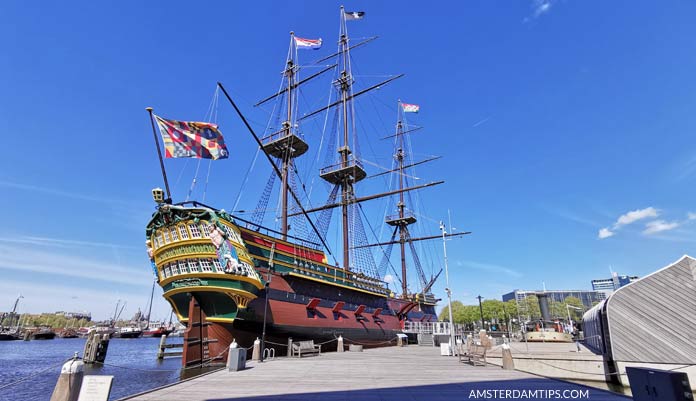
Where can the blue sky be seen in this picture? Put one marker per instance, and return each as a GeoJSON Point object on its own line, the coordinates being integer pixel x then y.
{"type": "Point", "coordinates": [566, 130]}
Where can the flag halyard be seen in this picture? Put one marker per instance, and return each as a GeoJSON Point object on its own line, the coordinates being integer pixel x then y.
{"type": "Point", "coordinates": [199, 140]}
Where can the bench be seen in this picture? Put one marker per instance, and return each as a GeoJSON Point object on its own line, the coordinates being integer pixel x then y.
{"type": "Point", "coordinates": [472, 353]}
{"type": "Point", "coordinates": [477, 354]}
{"type": "Point", "coordinates": [305, 348]}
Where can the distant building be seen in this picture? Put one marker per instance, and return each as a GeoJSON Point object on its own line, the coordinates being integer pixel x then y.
{"type": "Point", "coordinates": [609, 285]}
{"type": "Point", "coordinates": [588, 298]}
{"type": "Point", "coordinates": [75, 315]}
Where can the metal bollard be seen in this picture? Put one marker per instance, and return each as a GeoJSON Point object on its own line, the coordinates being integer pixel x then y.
{"type": "Point", "coordinates": [289, 347]}
{"type": "Point", "coordinates": [340, 344]}
{"type": "Point", "coordinates": [69, 382]}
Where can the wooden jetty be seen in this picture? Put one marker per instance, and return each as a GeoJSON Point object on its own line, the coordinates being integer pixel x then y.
{"type": "Point", "coordinates": [382, 374]}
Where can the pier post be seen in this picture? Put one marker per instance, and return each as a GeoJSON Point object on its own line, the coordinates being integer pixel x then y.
{"type": "Point", "coordinates": [289, 347]}
{"type": "Point", "coordinates": [508, 362]}
{"type": "Point", "coordinates": [69, 382]}
{"type": "Point", "coordinates": [340, 344]}
{"type": "Point", "coordinates": [163, 342]}
{"type": "Point", "coordinates": [95, 347]}
{"type": "Point", "coordinates": [256, 353]}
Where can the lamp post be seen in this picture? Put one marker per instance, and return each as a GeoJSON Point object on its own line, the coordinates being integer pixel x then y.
{"type": "Point", "coordinates": [449, 292]}
{"type": "Point", "coordinates": [570, 321]}
{"type": "Point", "coordinates": [265, 306]}
{"type": "Point", "coordinates": [480, 309]}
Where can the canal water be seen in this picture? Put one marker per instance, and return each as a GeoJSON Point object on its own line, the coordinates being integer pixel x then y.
{"type": "Point", "coordinates": [132, 362]}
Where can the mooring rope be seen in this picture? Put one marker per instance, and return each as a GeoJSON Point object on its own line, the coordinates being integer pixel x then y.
{"type": "Point", "coordinates": [33, 375]}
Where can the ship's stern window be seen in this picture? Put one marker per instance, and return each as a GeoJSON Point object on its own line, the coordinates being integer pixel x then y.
{"type": "Point", "coordinates": [166, 272]}
{"type": "Point", "coordinates": [166, 236]}
{"type": "Point", "coordinates": [183, 232]}
{"type": "Point", "coordinates": [206, 266]}
{"type": "Point", "coordinates": [205, 228]}
{"type": "Point", "coordinates": [195, 232]}
{"type": "Point", "coordinates": [182, 267]}
{"type": "Point", "coordinates": [218, 266]}
{"type": "Point", "coordinates": [175, 269]}
{"type": "Point", "coordinates": [175, 235]}
{"type": "Point", "coordinates": [159, 241]}
{"type": "Point", "coordinates": [193, 266]}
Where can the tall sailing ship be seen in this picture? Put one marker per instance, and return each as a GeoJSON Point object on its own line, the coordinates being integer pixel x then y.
{"type": "Point", "coordinates": [232, 278]}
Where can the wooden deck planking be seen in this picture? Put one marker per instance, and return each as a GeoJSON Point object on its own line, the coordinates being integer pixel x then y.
{"type": "Point", "coordinates": [404, 374]}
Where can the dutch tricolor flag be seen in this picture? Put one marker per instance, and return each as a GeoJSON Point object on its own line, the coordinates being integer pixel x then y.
{"type": "Point", "coordinates": [307, 43]}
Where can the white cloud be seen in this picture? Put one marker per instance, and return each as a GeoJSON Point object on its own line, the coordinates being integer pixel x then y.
{"type": "Point", "coordinates": [636, 215]}
{"type": "Point", "coordinates": [605, 233]}
{"type": "Point", "coordinates": [489, 267]}
{"type": "Point", "coordinates": [541, 7]}
{"type": "Point", "coordinates": [659, 226]}
{"type": "Point", "coordinates": [389, 278]}
{"type": "Point", "coordinates": [691, 216]}
{"type": "Point", "coordinates": [58, 192]}
{"type": "Point", "coordinates": [30, 259]}
{"type": "Point", "coordinates": [62, 243]}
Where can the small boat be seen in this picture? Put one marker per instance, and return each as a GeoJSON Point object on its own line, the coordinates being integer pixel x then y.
{"type": "Point", "coordinates": [9, 335]}
{"type": "Point", "coordinates": [67, 333]}
{"type": "Point", "coordinates": [44, 333]}
{"type": "Point", "coordinates": [158, 332]}
{"type": "Point", "coordinates": [128, 332]}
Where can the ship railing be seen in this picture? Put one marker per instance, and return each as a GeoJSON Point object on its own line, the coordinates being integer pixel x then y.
{"type": "Point", "coordinates": [339, 166]}
{"type": "Point", "coordinates": [435, 328]}
{"type": "Point", "coordinates": [249, 271]}
{"type": "Point", "coordinates": [407, 215]}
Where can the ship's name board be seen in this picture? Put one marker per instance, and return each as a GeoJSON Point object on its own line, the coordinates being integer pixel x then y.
{"type": "Point", "coordinates": [189, 282]}
{"type": "Point", "coordinates": [186, 250]}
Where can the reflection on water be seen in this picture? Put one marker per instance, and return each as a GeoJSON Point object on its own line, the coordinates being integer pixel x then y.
{"type": "Point", "coordinates": [132, 362]}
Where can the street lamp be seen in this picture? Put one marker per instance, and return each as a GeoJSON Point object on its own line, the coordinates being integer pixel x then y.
{"type": "Point", "coordinates": [570, 321]}
{"type": "Point", "coordinates": [481, 310]}
{"type": "Point", "coordinates": [449, 292]}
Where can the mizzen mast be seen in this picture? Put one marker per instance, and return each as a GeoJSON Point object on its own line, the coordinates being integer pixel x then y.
{"type": "Point", "coordinates": [402, 220]}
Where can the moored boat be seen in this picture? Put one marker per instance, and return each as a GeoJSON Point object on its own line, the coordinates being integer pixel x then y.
{"type": "Point", "coordinates": [158, 332]}
{"type": "Point", "coordinates": [67, 333]}
{"type": "Point", "coordinates": [128, 332]}
{"type": "Point", "coordinates": [9, 335]}
{"type": "Point", "coordinates": [43, 333]}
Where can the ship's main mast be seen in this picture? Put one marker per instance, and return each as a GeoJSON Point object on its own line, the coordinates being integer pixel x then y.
{"type": "Point", "coordinates": [285, 145]}
{"type": "Point", "coordinates": [348, 171]}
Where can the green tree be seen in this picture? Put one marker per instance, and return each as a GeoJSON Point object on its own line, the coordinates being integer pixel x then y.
{"type": "Point", "coordinates": [575, 302]}
{"type": "Point", "coordinates": [529, 308]}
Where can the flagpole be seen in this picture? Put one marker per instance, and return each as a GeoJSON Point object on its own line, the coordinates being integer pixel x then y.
{"type": "Point", "coordinates": [159, 153]}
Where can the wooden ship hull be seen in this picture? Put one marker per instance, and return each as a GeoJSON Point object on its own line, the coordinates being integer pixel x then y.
{"type": "Point", "coordinates": [307, 298]}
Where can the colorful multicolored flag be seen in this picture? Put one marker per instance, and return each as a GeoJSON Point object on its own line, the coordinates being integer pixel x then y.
{"type": "Point", "coordinates": [353, 15]}
{"type": "Point", "coordinates": [192, 139]}
{"type": "Point", "coordinates": [307, 43]}
{"type": "Point", "coordinates": [410, 108]}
